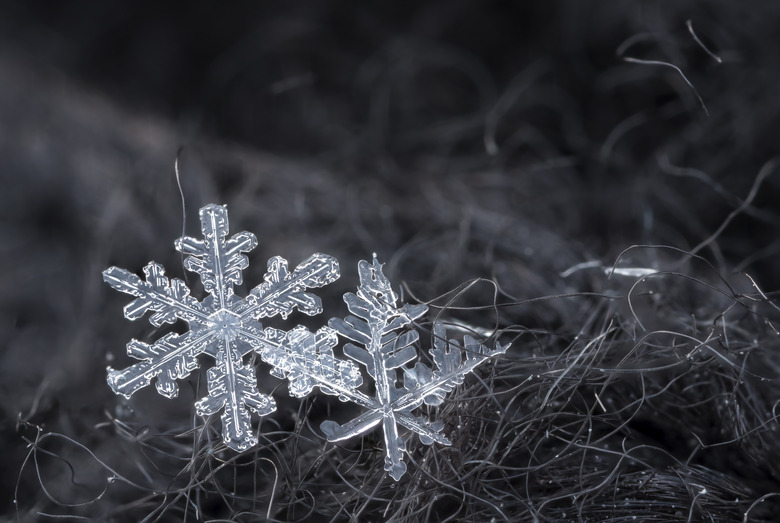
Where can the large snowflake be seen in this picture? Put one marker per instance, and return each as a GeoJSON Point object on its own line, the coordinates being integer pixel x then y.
{"type": "Point", "coordinates": [223, 326]}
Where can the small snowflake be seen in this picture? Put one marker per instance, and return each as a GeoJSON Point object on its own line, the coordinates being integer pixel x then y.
{"type": "Point", "coordinates": [385, 345]}
{"type": "Point", "coordinates": [223, 326]}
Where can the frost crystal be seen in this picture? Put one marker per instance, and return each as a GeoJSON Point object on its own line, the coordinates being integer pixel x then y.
{"type": "Point", "coordinates": [385, 343]}
{"type": "Point", "coordinates": [223, 325]}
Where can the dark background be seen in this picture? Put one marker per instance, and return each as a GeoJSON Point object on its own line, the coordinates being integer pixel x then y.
{"type": "Point", "coordinates": [502, 140]}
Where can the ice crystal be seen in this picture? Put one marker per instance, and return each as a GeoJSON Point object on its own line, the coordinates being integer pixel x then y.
{"type": "Point", "coordinates": [385, 341]}
{"type": "Point", "coordinates": [223, 326]}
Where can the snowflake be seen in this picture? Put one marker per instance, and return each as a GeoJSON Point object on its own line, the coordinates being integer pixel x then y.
{"type": "Point", "coordinates": [223, 326]}
{"type": "Point", "coordinates": [382, 328]}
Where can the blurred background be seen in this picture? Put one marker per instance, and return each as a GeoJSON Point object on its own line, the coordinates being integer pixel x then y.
{"type": "Point", "coordinates": [525, 143]}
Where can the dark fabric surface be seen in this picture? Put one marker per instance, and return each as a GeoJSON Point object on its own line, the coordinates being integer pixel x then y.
{"type": "Point", "coordinates": [604, 172]}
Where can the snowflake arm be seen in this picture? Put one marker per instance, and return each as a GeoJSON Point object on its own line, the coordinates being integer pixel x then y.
{"type": "Point", "coordinates": [170, 358]}
{"type": "Point", "coordinates": [428, 386]}
{"type": "Point", "coordinates": [169, 299]}
{"type": "Point", "coordinates": [218, 261]}
{"type": "Point", "coordinates": [233, 390]}
{"type": "Point", "coordinates": [223, 326]}
{"type": "Point", "coordinates": [283, 291]}
{"type": "Point", "coordinates": [306, 360]}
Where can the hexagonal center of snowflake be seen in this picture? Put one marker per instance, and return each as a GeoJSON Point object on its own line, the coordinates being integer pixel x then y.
{"type": "Point", "coordinates": [225, 323]}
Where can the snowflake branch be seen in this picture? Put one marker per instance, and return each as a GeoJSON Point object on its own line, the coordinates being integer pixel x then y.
{"type": "Point", "coordinates": [282, 292]}
{"type": "Point", "coordinates": [170, 358]}
{"type": "Point", "coordinates": [232, 389]}
{"type": "Point", "coordinates": [219, 262]}
{"type": "Point", "coordinates": [169, 298]}
{"type": "Point", "coordinates": [431, 386]}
